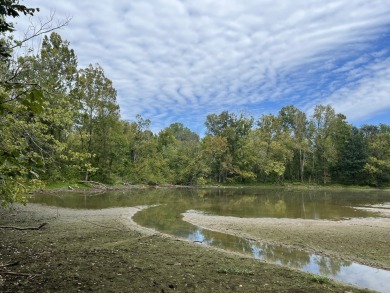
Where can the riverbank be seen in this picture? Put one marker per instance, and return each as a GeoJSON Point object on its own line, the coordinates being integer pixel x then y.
{"type": "Point", "coordinates": [105, 251]}
{"type": "Point", "coordinates": [96, 186]}
{"type": "Point", "coordinates": [361, 240]}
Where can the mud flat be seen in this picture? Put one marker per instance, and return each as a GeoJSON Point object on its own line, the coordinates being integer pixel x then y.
{"type": "Point", "coordinates": [105, 251]}
{"type": "Point", "coordinates": [361, 240]}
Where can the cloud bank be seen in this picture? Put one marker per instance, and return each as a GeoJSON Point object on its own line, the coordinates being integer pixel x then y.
{"type": "Point", "coordinates": [173, 60]}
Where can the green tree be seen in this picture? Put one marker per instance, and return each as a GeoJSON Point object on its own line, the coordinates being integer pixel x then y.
{"type": "Point", "coordinates": [330, 132]}
{"type": "Point", "coordinates": [378, 164]}
{"type": "Point", "coordinates": [234, 129]}
{"type": "Point", "coordinates": [146, 162]}
{"type": "Point", "coordinates": [271, 149]}
{"type": "Point", "coordinates": [182, 133]}
{"type": "Point", "coordinates": [352, 159]}
{"type": "Point", "coordinates": [181, 149]}
{"type": "Point", "coordinates": [98, 115]}
{"type": "Point", "coordinates": [11, 8]}
{"type": "Point", "coordinates": [296, 124]}
{"type": "Point", "coordinates": [215, 150]}
{"type": "Point", "coordinates": [25, 147]}
{"type": "Point", "coordinates": [58, 85]}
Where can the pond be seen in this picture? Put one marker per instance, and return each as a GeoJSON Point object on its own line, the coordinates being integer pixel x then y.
{"type": "Point", "coordinates": [168, 205]}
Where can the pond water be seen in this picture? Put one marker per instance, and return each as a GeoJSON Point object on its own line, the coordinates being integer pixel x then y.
{"type": "Point", "coordinates": [168, 205]}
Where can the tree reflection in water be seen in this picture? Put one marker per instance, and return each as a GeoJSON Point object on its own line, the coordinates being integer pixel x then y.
{"type": "Point", "coordinates": [250, 203]}
{"type": "Point", "coordinates": [278, 254]}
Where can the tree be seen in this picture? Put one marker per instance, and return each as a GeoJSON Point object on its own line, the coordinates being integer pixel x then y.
{"type": "Point", "coordinates": [182, 133]}
{"type": "Point", "coordinates": [352, 158]}
{"type": "Point", "coordinates": [98, 114]}
{"type": "Point", "coordinates": [378, 163]}
{"type": "Point", "coordinates": [272, 148]}
{"type": "Point", "coordinates": [180, 148]}
{"type": "Point", "coordinates": [58, 85]}
{"type": "Point", "coordinates": [295, 122]}
{"type": "Point", "coordinates": [230, 126]}
{"type": "Point", "coordinates": [11, 8]}
{"type": "Point", "coordinates": [234, 129]}
{"type": "Point", "coordinates": [330, 131]}
{"type": "Point", "coordinates": [215, 150]}
{"type": "Point", "coordinates": [25, 147]}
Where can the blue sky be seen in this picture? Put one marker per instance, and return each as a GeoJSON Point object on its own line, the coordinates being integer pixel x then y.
{"type": "Point", "coordinates": [178, 61]}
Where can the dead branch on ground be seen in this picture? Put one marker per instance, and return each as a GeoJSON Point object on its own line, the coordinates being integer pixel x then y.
{"type": "Point", "coordinates": [23, 228]}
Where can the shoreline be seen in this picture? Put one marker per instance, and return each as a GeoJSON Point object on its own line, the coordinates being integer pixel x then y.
{"type": "Point", "coordinates": [106, 251]}
{"type": "Point", "coordinates": [104, 188]}
{"type": "Point", "coordinates": [359, 240]}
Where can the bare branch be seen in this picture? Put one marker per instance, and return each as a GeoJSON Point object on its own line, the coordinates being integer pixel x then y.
{"type": "Point", "coordinates": [18, 274]}
{"type": "Point", "coordinates": [24, 228]}
{"type": "Point", "coordinates": [12, 263]}
{"type": "Point", "coordinates": [44, 27]}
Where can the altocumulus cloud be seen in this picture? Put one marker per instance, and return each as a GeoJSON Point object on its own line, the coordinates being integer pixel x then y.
{"type": "Point", "coordinates": [173, 60]}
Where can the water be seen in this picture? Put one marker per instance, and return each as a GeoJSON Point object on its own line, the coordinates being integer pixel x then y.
{"type": "Point", "coordinates": [246, 202]}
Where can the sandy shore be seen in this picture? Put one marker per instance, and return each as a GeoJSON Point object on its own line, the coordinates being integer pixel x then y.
{"type": "Point", "coordinates": [106, 251]}
{"type": "Point", "coordinates": [361, 240]}
{"type": "Point", "coordinates": [42, 213]}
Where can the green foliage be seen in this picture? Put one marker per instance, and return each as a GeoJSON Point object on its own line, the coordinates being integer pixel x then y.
{"type": "Point", "coordinates": [98, 115]}
{"type": "Point", "coordinates": [40, 142]}
{"type": "Point", "coordinates": [233, 130]}
{"type": "Point", "coordinates": [378, 163]}
{"type": "Point", "coordinates": [319, 279]}
{"type": "Point", "coordinates": [268, 150]}
{"type": "Point", "coordinates": [294, 122]}
{"type": "Point", "coordinates": [21, 158]}
{"type": "Point", "coordinates": [10, 8]}
{"type": "Point", "coordinates": [352, 158]}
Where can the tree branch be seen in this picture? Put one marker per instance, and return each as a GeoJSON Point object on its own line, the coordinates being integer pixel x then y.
{"type": "Point", "coordinates": [43, 28]}
{"type": "Point", "coordinates": [10, 264]}
{"type": "Point", "coordinates": [23, 228]}
{"type": "Point", "coordinates": [17, 274]}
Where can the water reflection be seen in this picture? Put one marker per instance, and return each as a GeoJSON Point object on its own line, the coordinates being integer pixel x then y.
{"type": "Point", "coordinates": [342, 270]}
{"type": "Point", "coordinates": [245, 202]}
{"type": "Point", "coordinates": [167, 219]}
{"type": "Point", "coordinates": [277, 254]}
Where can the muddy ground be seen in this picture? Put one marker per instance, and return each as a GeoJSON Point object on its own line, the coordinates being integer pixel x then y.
{"type": "Point", "coordinates": [104, 251]}
{"type": "Point", "coordinates": [364, 241]}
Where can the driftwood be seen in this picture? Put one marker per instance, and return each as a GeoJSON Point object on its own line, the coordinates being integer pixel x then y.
{"type": "Point", "coordinates": [17, 274]}
{"type": "Point", "coordinates": [23, 228]}
{"type": "Point", "coordinates": [94, 184]}
{"type": "Point", "coordinates": [10, 264]}
{"type": "Point", "coordinates": [14, 273]}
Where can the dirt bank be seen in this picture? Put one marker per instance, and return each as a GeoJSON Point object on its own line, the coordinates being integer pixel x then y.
{"type": "Point", "coordinates": [361, 240]}
{"type": "Point", "coordinates": [105, 251]}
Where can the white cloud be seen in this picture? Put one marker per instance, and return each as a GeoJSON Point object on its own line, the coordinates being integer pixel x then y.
{"type": "Point", "coordinates": [370, 95]}
{"type": "Point", "coordinates": [174, 60]}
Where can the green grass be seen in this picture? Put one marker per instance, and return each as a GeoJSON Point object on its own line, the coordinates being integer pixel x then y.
{"type": "Point", "coordinates": [64, 184]}
{"type": "Point", "coordinates": [319, 279]}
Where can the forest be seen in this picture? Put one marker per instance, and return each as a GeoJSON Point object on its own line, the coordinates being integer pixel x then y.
{"type": "Point", "coordinates": [62, 123]}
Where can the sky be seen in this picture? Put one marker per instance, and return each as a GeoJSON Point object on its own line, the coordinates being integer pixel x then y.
{"type": "Point", "coordinates": [180, 60]}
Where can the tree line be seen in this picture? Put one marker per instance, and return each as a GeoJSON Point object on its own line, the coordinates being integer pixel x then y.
{"type": "Point", "coordinates": [60, 122]}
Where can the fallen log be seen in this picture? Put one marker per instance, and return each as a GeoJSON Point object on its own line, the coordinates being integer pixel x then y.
{"type": "Point", "coordinates": [10, 264]}
{"type": "Point", "coordinates": [17, 274]}
{"type": "Point", "coordinates": [94, 183]}
{"type": "Point", "coordinates": [23, 228]}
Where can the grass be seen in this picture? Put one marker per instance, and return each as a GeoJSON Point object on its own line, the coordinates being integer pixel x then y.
{"type": "Point", "coordinates": [319, 279]}
{"type": "Point", "coordinates": [235, 271]}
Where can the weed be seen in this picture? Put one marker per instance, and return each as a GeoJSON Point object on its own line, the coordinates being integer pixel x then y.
{"type": "Point", "coordinates": [319, 279]}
